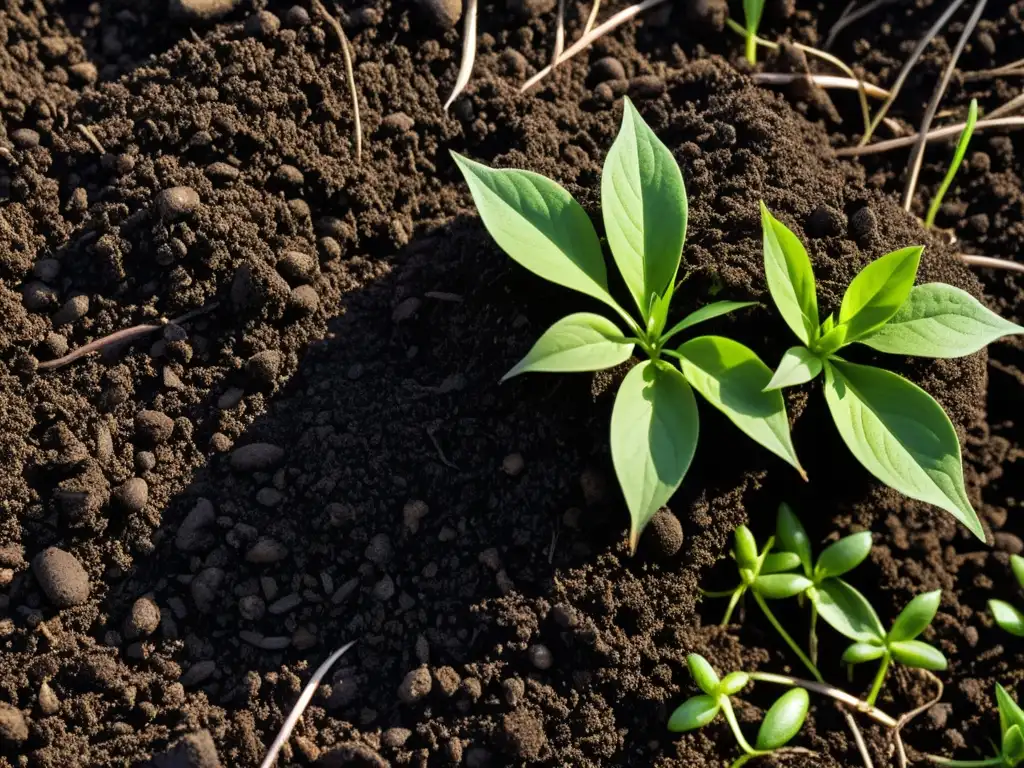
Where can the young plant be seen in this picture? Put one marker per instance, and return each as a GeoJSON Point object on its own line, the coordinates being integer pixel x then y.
{"type": "Point", "coordinates": [654, 424]}
{"type": "Point", "coordinates": [895, 429]}
{"type": "Point", "coordinates": [958, 158]}
{"type": "Point", "coordinates": [752, 12]}
{"type": "Point", "coordinates": [781, 722]}
{"type": "Point", "coordinates": [1011, 730]}
{"type": "Point", "coordinates": [1007, 616]}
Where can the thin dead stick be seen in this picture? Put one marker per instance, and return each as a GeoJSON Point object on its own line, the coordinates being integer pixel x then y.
{"type": "Point", "coordinates": [1008, 108]}
{"type": "Point", "coordinates": [301, 704]}
{"type": "Point", "coordinates": [909, 65]}
{"type": "Point", "coordinates": [90, 137]}
{"type": "Point", "coordinates": [849, 16]}
{"type": "Point", "coordinates": [827, 690]}
{"type": "Point", "coordinates": [616, 20]}
{"type": "Point", "coordinates": [120, 337]}
{"type": "Point", "coordinates": [559, 34]}
{"type": "Point", "coordinates": [349, 73]}
{"type": "Point", "coordinates": [468, 54]}
{"type": "Point", "coordinates": [1013, 68]}
{"type": "Point", "coordinates": [592, 17]}
{"type": "Point", "coordinates": [858, 737]}
{"type": "Point", "coordinates": [901, 753]}
{"type": "Point", "coordinates": [822, 81]}
{"type": "Point", "coordinates": [917, 155]}
{"type": "Point", "coordinates": [990, 262]}
{"type": "Point", "coordinates": [933, 135]}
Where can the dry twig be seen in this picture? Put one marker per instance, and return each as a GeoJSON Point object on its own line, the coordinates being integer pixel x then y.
{"type": "Point", "coordinates": [849, 16]}
{"type": "Point", "coordinates": [592, 17]}
{"type": "Point", "coordinates": [349, 73]}
{"type": "Point", "coordinates": [90, 137]}
{"type": "Point", "coordinates": [559, 34]}
{"type": "Point", "coordinates": [822, 81]}
{"type": "Point", "coordinates": [933, 135]}
{"type": "Point", "coordinates": [468, 53]}
{"type": "Point", "coordinates": [990, 262]}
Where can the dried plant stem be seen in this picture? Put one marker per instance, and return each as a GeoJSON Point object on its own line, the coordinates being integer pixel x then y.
{"type": "Point", "coordinates": [850, 16]}
{"type": "Point", "coordinates": [827, 690]}
{"type": "Point", "coordinates": [592, 17]}
{"type": "Point", "coordinates": [300, 705]}
{"type": "Point", "coordinates": [1008, 108]}
{"type": "Point", "coordinates": [909, 65]}
{"type": "Point", "coordinates": [933, 135]}
{"type": "Point", "coordinates": [917, 155]}
{"type": "Point", "coordinates": [90, 137]}
{"type": "Point", "coordinates": [1013, 68]}
{"type": "Point", "coordinates": [901, 753]}
{"type": "Point", "coordinates": [349, 74]}
{"type": "Point", "coordinates": [858, 737]}
{"type": "Point", "coordinates": [990, 262]}
{"type": "Point", "coordinates": [468, 53]}
{"type": "Point", "coordinates": [822, 81]}
{"type": "Point", "coordinates": [616, 20]}
{"type": "Point", "coordinates": [559, 34]}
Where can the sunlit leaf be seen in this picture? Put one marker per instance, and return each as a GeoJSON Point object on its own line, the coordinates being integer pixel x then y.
{"type": "Point", "coordinates": [695, 712]}
{"type": "Point", "coordinates": [1007, 617]}
{"type": "Point", "coordinates": [783, 719]}
{"type": "Point", "coordinates": [914, 653]}
{"type": "Point", "coordinates": [777, 562]}
{"type": "Point", "coordinates": [798, 366]}
{"type": "Point", "coordinates": [790, 277]}
{"type": "Point", "coordinates": [859, 653]}
{"type": "Point", "coordinates": [704, 674]}
{"type": "Point", "coordinates": [844, 555]}
{"type": "Point", "coordinates": [915, 617]}
{"type": "Point", "coordinates": [847, 611]}
{"type": "Point", "coordinates": [779, 586]}
{"type": "Point", "coordinates": [579, 342]}
{"type": "Point", "coordinates": [878, 291]}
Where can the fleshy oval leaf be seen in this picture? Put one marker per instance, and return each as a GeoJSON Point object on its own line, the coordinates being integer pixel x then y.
{"type": "Point", "coordinates": [1017, 566]}
{"type": "Point", "coordinates": [859, 653]}
{"type": "Point", "coordinates": [847, 611]}
{"type": "Point", "coordinates": [783, 720]}
{"type": "Point", "coordinates": [779, 586]}
{"type": "Point", "coordinates": [694, 713]}
{"type": "Point", "coordinates": [1013, 746]}
{"type": "Point", "coordinates": [792, 535]}
{"type": "Point", "coordinates": [579, 342]}
{"type": "Point", "coordinates": [915, 617]}
{"type": "Point", "coordinates": [1007, 617]}
{"type": "Point", "coordinates": [733, 683]}
{"type": "Point", "coordinates": [778, 562]}
{"type": "Point", "coordinates": [745, 547]}
{"type": "Point", "coordinates": [843, 556]}
{"type": "Point", "coordinates": [914, 653]}
{"type": "Point", "coordinates": [1010, 713]}
{"type": "Point", "coordinates": [878, 291]}
{"type": "Point", "coordinates": [704, 674]}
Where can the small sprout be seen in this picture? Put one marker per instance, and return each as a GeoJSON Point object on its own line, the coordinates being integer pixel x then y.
{"type": "Point", "coordinates": [703, 674]}
{"type": "Point", "coordinates": [958, 158]}
{"type": "Point", "coordinates": [1007, 616]}
{"type": "Point", "coordinates": [752, 12]}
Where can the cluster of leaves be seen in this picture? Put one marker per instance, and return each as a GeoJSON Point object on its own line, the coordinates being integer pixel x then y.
{"type": "Point", "coordinates": [1011, 730]}
{"type": "Point", "coordinates": [895, 429]}
{"type": "Point", "coordinates": [654, 424]}
{"type": "Point", "coordinates": [781, 722]}
{"type": "Point", "coordinates": [1007, 616]}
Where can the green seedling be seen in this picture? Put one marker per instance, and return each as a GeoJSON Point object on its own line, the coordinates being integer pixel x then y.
{"type": "Point", "coordinates": [1011, 730]}
{"type": "Point", "coordinates": [781, 722]}
{"type": "Point", "coordinates": [752, 12]}
{"type": "Point", "coordinates": [1007, 616]}
{"type": "Point", "coordinates": [895, 429]}
{"type": "Point", "coordinates": [958, 158]}
{"type": "Point", "coordinates": [654, 423]}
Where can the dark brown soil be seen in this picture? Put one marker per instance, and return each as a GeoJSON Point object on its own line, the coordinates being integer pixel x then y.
{"type": "Point", "coordinates": [323, 452]}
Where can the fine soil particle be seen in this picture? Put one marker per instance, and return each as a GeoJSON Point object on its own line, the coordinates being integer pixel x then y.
{"type": "Point", "coordinates": [323, 452]}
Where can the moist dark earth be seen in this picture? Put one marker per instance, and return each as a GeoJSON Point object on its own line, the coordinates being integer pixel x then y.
{"type": "Point", "coordinates": [321, 452]}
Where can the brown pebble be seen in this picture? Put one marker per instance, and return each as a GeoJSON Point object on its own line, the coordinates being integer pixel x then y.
{"type": "Point", "coordinates": [664, 535]}
{"type": "Point", "coordinates": [37, 295]}
{"type": "Point", "coordinates": [298, 268]}
{"type": "Point", "coordinates": [200, 10]}
{"type": "Point", "coordinates": [305, 299]}
{"type": "Point", "coordinates": [398, 122]}
{"type": "Point", "coordinates": [513, 464]}
{"type": "Point", "coordinates": [74, 309]}
{"type": "Point", "coordinates": [540, 656]}
{"type": "Point", "coordinates": [13, 727]}
{"type": "Point", "coordinates": [61, 577]}
{"type": "Point", "coordinates": [415, 686]}
{"type": "Point", "coordinates": [85, 72]}
{"type": "Point", "coordinates": [1008, 542]}
{"type": "Point", "coordinates": [524, 734]}
{"type": "Point", "coordinates": [143, 619]}
{"type": "Point", "coordinates": [153, 426]}
{"type": "Point", "coordinates": [176, 202]}
{"type": "Point", "coordinates": [607, 68]}
{"type": "Point", "coordinates": [25, 138]}
{"type": "Point", "coordinates": [289, 174]}
{"type": "Point", "coordinates": [133, 495]}
{"type": "Point", "coordinates": [531, 7]}
{"type": "Point", "coordinates": [444, 13]}
{"type": "Point", "coordinates": [263, 24]}
{"type": "Point", "coordinates": [646, 86]}
{"type": "Point", "coordinates": [256, 457]}
{"type": "Point", "coordinates": [49, 704]}
{"type": "Point", "coordinates": [222, 171]}
{"type": "Point", "coordinates": [264, 367]}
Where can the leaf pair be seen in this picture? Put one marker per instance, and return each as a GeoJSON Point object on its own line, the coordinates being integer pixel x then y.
{"type": "Point", "coordinates": [897, 431]}
{"type": "Point", "coordinates": [1007, 616]}
{"type": "Point", "coordinates": [1011, 728]}
{"type": "Point", "coordinates": [861, 624]}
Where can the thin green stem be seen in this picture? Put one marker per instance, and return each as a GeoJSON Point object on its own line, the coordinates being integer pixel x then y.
{"type": "Point", "coordinates": [812, 638]}
{"type": "Point", "coordinates": [751, 48]}
{"type": "Point", "coordinates": [734, 726]}
{"type": "Point", "coordinates": [876, 687]}
{"type": "Point", "coordinates": [998, 760]}
{"type": "Point", "coordinates": [812, 668]}
{"type": "Point", "coordinates": [732, 604]}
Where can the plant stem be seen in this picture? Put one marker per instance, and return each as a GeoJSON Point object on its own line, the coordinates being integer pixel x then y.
{"type": "Point", "coordinates": [751, 48]}
{"type": "Point", "coordinates": [827, 690]}
{"type": "Point", "coordinates": [734, 726]}
{"type": "Point", "coordinates": [789, 640]}
{"type": "Point", "coordinates": [876, 687]}
{"type": "Point", "coordinates": [812, 639]}
{"type": "Point", "coordinates": [998, 760]}
{"type": "Point", "coordinates": [732, 605]}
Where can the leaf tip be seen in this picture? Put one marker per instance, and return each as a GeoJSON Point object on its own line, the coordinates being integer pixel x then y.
{"type": "Point", "coordinates": [634, 540]}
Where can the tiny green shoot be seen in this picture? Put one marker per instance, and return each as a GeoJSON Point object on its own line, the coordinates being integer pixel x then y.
{"type": "Point", "coordinates": [1011, 731]}
{"type": "Point", "coordinates": [654, 421]}
{"type": "Point", "coordinates": [1008, 617]}
{"type": "Point", "coordinates": [895, 429]}
{"type": "Point", "coordinates": [958, 158]}
{"type": "Point", "coordinates": [752, 12]}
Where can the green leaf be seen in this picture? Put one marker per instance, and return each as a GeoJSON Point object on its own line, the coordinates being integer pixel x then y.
{"type": "Point", "coordinates": [958, 158]}
{"type": "Point", "coordinates": [540, 226]}
{"type": "Point", "coordinates": [579, 342]}
{"type": "Point", "coordinates": [901, 436]}
{"type": "Point", "coordinates": [1013, 745]}
{"type": "Point", "coordinates": [745, 547]}
{"type": "Point", "coordinates": [1010, 714]}
{"type": "Point", "coordinates": [777, 562]}
{"type": "Point", "coordinates": [847, 611]}
{"type": "Point", "coordinates": [733, 683]}
{"type": "Point", "coordinates": [694, 713]}
{"type": "Point", "coordinates": [1007, 617]}
{"type": "Point", "coordinates": [880, 289]}
{"type": "Point", "coordinates": [790, 277]}
{"type": "Point", "coordinates": [704, 674]}
{"type": "Point", "coordinates": [1017, 566]}
{"type": "Point", "coordinates": [752, 10]}
{"type": "Point", "coordinates": [914, 653]}
{"type": "Point", "coordinates": [643, 202]}
{"type": "Point", "coordinates": [707, 312]}
{"type": "Point", "coordinates": [792, 536]}
{"type": "Point", "coordinates": [832, 341]}
{"type": "Point", "coordinates": [653, 437]}
{"type": "Point", "coordinates": [798, 366]}
{"type": "Point", "coordinates": [859, 653]}
{"type": "Point", "coordinates": [779, 586]}
{"type": "Point", "coordinates": [843, 556]}
{"type": "Point", "coordinates": [915, 617]}
{"type": "Point", "coordinates": [784, 719]}
{"type": "Point", "coordinates": [938, 320]}
{"type": "Point", "coordinates": [732, 378]}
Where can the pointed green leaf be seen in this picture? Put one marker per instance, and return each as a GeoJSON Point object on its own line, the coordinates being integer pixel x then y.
{"type": "Point", "coordinates": [938, 320]}
{"type": "Point", "coordinates": [643, 202]}
{"type": "Point", "coordinates": [792, 536]}
{"type": "Point", "coordinates": [733, 683]}
{"type": "Point", "coordinates": [732, 378]}
{"type": "Point", "coordinates": [832, 340]}
{"type": "Point", "coordinates": [1010, 714]}
{"type": "Point", "coordinates": [1013, 745]}
{"type": "Point", "coordinates": [843, 556]}
{"type": "Point", "coordinates": [915, 617]}
{"type": "Point", "coordinates": [880, 289]}
{"type": "Point", "coordinates": [539, 225]}
{"type": "Point", "coordinates": [653, 437]}
{"type": "Point", "coordinates": [777, 562]}
{"type": "Point", "coordinates": [954, 166]}
{"type": "Point", "coordinates": [745, 547]}
{"type": "Point", "coordinates": [790, 278]}
{"type": "Point", "coordinates": [914, 653]}
{"type": "Point", "coordinates": [847, 611]}
{"type": "Point", "coordinates": [579, 342]}
{"type": "Point", "coordinates": [798, 366]}
{"type": "Point", "coordinates": [779, 586]}
{"type": "Point", "coordinates": [784, 719]}
{"type": "Point", "coordinates": [899, 434]}
{"type": "Point", "coordinates": [1017, 566]}
{"type": "Point", "coordinates": [704, 674]}
{"type": "Point", "coordinates": [1007, 617]}
{"type": "Point", "coordinates": [707, 312]}
{"type": "Point", "coordinates": [752, 10]}
{"type": "Point", "coordinates": [694, 713]}
{"type": "Point", "coordinates": [860, 653]}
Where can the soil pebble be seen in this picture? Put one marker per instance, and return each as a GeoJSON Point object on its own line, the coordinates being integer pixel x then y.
{"type": "Point", "coordinates": [351, 754]}
{"type": "Point", "coordinates": [531, 7]}
{"type": "Point", "coordinates": [196, 750]}
{"type": "Point", "coordinates": [74, 309]}
{"type": "Point", "coordinates": [205, 588]}
{"type": "Point", "coordinates": [143, 619]}
{"type": "Point", "coordinates": [37, 295]}
{"type": "Point", "coordinates": [863, 224]}
{"type": "Point", "coordinates": [133, 495]}
{"type": "Point", "coordinates": [49, 704]}
{"type": "Point", "coordinates": [296, 17]}
{"type": "Point", "coordinates": [13, 727]}
{"type": "Point", "coordinates": [825, 221]}
{"type": "Point", "coordinates": [200, 10]}
{"type": "Point", "coordinates": [176, 202]}
{"type": "Point", "coordinates": [264, 367]}
{"type": "Point", "coordinates": [266, 551]}
{"type": "Point", "coordinates": [415, 686]}
{"type": "Point", "coordinates": [540, 656]}
{"type": "Point", "coordinates": [194, 535]}
{"type": "Point", "coordinates": [298, 268]}
{"type": "Point", "coordinates": [711, 12]}
{"type": "Point", "coordinates": [25, 138]}
{"type": "Point", "coordinates": [664, 536]}
{"type": "Point", "coordinates": [256, 457]}
{"type": "Point", "coordinates": [153, 426]}
{"type": "Point", "coordinates": [305, 299]}
{"type": "Point", "coordinates": [61, 577]}
{"type": "Point", "coordinates": [525, 734]}
{"type": "Point", "coordinates": [444, 13]}
{"type": "Point", "coordinates": [607, 68]}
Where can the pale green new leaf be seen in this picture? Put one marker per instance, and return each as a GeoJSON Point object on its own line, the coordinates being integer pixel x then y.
{"type": "Point", "coordinates": [703, 673]}
{"type": "Point", "coordinates": [732, 378]}
{"type": "Point", "coordinates": [783, 719]}
{"type": "Point", "coordinates": [707, 312]}
{"type": "Point", "coordinates": [798, 366]}
{"type": "Point", "coordinates": [1007, 617]}
{"type": "Point", "coordinates": [1010, 713]}
{"type": "Point", "coordinates": [695, 712]}
{"type": "Point", "coordinates": [793, 536]}
{"type": "Point", "coordinates": [1017, 566]}
{"type": "Point", "coordinates": [939, 320]}
{"type": "Point", "coordinates": [861, 653]}
{"type": "Point", "coordinates": [914, 653]}
{"type": "Point", "coordinates": [579, 342]}
{"type": "Point", "coordinates": [847, 611]}
{"type": "Point", "coordinates": [643, 202]}
{"type": "Point", "coordinates": [790, 278]}
{"type": "Point", "coordinates": [539, 225]}
{"type": "Point", "coordinates": [899, 434]}
{"type": "Point", "coordinates": [915, 616]}
{"type": "Point", "coordinates": [878, 291]}
{"type": "Point", "coordinates": [653, 437]}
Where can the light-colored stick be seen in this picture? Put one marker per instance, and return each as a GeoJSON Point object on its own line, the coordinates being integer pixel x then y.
{"type": "Point", "coordinates": [468, 53]}
{"type": "Point", "coordinates": [349, 73]}
{"type": "Point", "coordinates": [851, 16]}
{"type": "Point", "coordinates": [592, 17]}
{"type": "Point", "coordinates": [933, 135]}
{"type": "Point", "coordinates": [1008, 108]}
{"type": "Point", "coordinates": [559, 34]}
{"type": "Point", "coordinates": [990, 262]}
{"type": "Point", "coordinates": [822, 81]}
